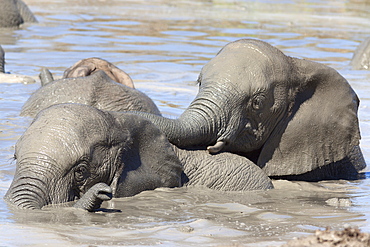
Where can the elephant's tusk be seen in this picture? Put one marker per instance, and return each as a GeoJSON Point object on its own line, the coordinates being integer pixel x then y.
{"type": "Point", "coordinates": [217, 147]}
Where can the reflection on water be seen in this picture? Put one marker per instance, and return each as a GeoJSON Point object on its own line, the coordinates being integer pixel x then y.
{"type": "Point", "coordinates": [163, 45]}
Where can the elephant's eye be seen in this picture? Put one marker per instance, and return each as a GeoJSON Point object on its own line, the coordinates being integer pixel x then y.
{"type": "Point", "coordinates": [81, 172]}
{"type": "Point", "coordinates": [257, 102]}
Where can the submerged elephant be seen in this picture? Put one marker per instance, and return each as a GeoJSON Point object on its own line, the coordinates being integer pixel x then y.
{"type": "Point", "coordinates": [361, 57]}
{"type": "Point", "coordinates": [69, 148]}
{"type": "Point", "coordinates": [97, 90]}
{"type": "Point", "coordinates": [14, 13]}
{"type": "Point", "coordinates": [75, 151]}
{"type": "Point", "coordinates": [290, 116]}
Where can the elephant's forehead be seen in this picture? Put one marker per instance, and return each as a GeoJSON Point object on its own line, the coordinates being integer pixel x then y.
{"type": "Point", "coordinates": [60, 137]}
{"type": "Point", "coordinates": [253, 67]}
{"type": "Point", "coordinates": [53, 141]}
{"type": "Point", "coordinates": [248, 69]}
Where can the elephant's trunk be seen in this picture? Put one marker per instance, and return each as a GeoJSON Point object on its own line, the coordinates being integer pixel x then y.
{"type": "Point", "coordinates": [2, 60]}
{"type": "Point", "coordinates": [198, 126]}
{"type": "Point", "coordinates": [27, 191]}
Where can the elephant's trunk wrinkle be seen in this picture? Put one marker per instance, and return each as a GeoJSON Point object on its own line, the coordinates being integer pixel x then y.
{"type": "Point", "coordinates": [204, 118]}
{"type": "Point", "coordinates": [23, 197]}
{"type": "Point", "coordinates": [199, 125]}
{"type": "Point", "coordinates": [31, 184]}
{"type": "Point", "coordinates": [27, 191]}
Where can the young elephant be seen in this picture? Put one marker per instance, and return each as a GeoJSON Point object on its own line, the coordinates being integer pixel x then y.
{"type": "Point", "coordinates": [14, 13]}
{"type": "Point", "coordinates": [97, 90]}
{"type": "Point", "coordinates": [291, 116]}
{"type": "Point", "coordinates": [74, 151]}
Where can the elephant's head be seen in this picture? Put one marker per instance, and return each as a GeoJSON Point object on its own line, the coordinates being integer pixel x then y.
{"type": "Point", "coordinates": [287, 114]}
{"type": "Point", "coordinates": [97, 90]}
{"type": "Point", "coordinates": [69, 148]}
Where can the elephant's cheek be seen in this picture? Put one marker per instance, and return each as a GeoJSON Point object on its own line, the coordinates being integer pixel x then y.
{"type": "Point", "coordinates": [64, 190]}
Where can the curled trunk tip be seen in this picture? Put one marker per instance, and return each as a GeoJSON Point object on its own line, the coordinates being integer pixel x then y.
{"type": "Point", "coordinates": [217, 147]}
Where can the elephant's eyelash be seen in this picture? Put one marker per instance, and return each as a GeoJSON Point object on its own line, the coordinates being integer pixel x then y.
{"type": "Point", "coordinates": [13, 159]}
{"type": "Point", "coordinates": [199, 81]}
{"type": "Point", "coordinates": [262, 90]}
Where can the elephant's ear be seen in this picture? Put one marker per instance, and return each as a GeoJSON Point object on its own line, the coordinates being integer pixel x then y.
{"type": "Point", "coordinates": [92, 65]}
{"type": "Point", "coordinates": [321, 126]}
{"type": "Point", "coordinates": [149, 159]}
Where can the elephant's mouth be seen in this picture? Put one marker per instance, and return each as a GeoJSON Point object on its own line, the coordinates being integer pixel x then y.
{"type": "Point", "coordinates": [247, 138]}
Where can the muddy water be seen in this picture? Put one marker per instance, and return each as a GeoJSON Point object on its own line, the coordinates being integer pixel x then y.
{"type": "Point", "coordinates": [163, 45]}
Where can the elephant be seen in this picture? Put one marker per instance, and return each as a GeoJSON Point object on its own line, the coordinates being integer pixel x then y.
{"type": "Point", "coordinates": [14, 13]}
{"type": "Point", "coordinates": [75, 151]}
{"type": "Point", "coordinates": [97, 90]}
{"type": "Point", "coordinates": [296, 119]}
{"type": "Point", "coordinates": [361, 57]}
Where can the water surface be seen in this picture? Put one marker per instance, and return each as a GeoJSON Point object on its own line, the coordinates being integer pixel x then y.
{"type": "Point", "coordinates": [163, 45]}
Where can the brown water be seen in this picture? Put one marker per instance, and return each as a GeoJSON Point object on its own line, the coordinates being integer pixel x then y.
{"type": "Point", "coordinates": [163, 45]}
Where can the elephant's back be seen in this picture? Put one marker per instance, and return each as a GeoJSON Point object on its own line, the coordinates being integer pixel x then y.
{"type": "Point", "coordinates": [222, 171]}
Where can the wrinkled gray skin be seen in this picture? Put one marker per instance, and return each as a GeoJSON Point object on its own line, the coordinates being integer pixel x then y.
{"type": "Point", "coordinates": [97, 90]}
{"type": "Point", "coordinates": [361, 57]}
{"type": "Point", "coordinates": [294, 118]}
{"type": "Point", "coordinates": [14, 13]}
{"type": "Point", "coordinates": [74, 151]}
{"type": "Point", "coordinates": [223, 171]}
